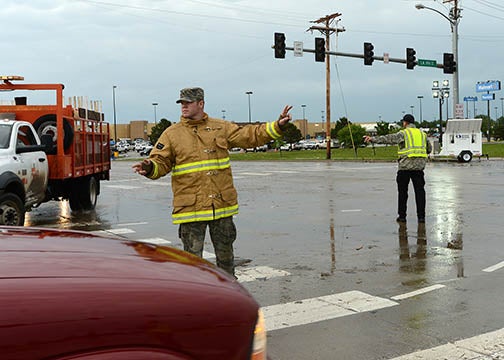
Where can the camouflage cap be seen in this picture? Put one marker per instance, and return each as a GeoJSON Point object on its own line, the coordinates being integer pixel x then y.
{"type": "Point", "coordinates": [191, 95]}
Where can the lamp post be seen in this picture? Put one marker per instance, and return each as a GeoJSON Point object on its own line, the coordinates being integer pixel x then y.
{"type": "Point", "coordinates": [303, 106]}
{"type": "Point", "coordinates": [250, 113]}
{"type": "Point", "coordinates": [453, 19]}
{"type": "Point", "coordinates": [223, 114]}
{"type": "Point", "coordinates": [495, 108]}
{"type": "Point", "coordinates": [502, 106]}
{"type": "Point", "coordinates": [420, 97]}
{"type": "Point", "coordinates": [441, 92]}
{"type": "Point", "coordinates": [115, 122]}
{"type": "Point", "coordinates": [155, 117]}
{"type": "Point", "coordinates": [412, 107]}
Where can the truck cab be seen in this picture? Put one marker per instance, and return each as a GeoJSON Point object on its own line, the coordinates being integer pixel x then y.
{"type": "Point", "coordinates": [24, 170]}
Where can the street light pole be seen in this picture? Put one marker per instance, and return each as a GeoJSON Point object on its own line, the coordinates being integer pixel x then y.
{"type": "Point", "coordinates": [114, 104]}
{"type": "Point", "coordinates": [155, 115]}
{"type": "Point", "coordinates": [502, 106]}
{"type": "Point", "coordinates": [249, 110]}
{"type": "Point", "coordinates": [420, 97]}
{"type": "Point", "coordinates": [453, 19]}
{"type": "Point", "coordinates": [303, 106]}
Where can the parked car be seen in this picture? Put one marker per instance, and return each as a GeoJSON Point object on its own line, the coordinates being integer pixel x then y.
{"type": "Point", "coordinates": [262, 148]}
{"type": "Point", "coordinates": [146, 150]}
{"type": "Point", "coordinates": [73, 295]}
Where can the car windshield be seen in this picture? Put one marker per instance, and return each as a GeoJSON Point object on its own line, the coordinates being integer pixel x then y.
{"type": "Point", "coordinates": [5, 133]}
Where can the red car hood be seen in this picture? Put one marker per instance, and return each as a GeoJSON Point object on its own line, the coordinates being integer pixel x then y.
{"type": "Point", "coordinates": [42, 253]}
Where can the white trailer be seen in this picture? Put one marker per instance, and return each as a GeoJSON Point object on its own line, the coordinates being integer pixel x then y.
{"type": "Point", "coordinates": [462, 139]}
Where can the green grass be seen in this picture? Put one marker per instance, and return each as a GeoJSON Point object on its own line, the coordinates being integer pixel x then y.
{"type": "Point", "coordinates": [367, 153]}
{"type": "Point", "coordinates": [379, 153]}
{"type": "Point", "coordinates": [494, 150]}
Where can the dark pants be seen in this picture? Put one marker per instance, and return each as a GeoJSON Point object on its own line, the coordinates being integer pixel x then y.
{"type": "Point", "coordinates": [403, 178]}
{"type": "Point", "coordinates": [222, 234]}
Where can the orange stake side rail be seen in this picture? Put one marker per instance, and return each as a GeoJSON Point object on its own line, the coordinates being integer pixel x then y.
{"type": "Point", "coordinates": [84, 148]}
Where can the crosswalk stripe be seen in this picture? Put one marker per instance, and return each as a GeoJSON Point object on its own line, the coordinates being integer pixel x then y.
{"type": "Point", "coordinates": [322, 308]}
{"type": "Point", "coordinates": [259, 273]}
{"type": "Point", "coordinates": [486, 346]}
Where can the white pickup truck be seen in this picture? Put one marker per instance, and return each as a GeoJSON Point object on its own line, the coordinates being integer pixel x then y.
{"type": "Point", "coordinates": [23, 170]}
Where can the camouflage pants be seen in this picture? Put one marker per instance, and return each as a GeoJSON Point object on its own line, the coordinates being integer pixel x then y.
{"type": "Point", "coordinates": [222, 234]}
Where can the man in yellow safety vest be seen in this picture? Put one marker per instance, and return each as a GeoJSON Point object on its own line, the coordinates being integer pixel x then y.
{"type": "Point", "coordinates": [413, 147]}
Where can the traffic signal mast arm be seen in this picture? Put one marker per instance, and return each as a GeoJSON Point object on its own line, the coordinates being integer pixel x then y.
{"type": "Point", "coordinates": [358, 56]}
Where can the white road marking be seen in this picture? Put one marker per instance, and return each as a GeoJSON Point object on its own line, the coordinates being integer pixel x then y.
{"type": "Point", "coordinates": [123, 187]}
{"type": "Point", "coordinates": [255, 174]}
{"type": "Point", "coordinates": [351, 210]}
{"type": "Point", "coordinates": [155, 241]}
{"type": "Point", "coordinates": [322, 308]}
{"type": "Point", "coordinates": [121, 231]}
{"type": "Point", "coordinates": [208, 255]}
{"type": "Point", "coordinates": [418, 292]}
{"type": "Point", "coordinates": [486, 346]}
{"type": "Point", "coordinates": [494, 267]}
{"type": "Point", "coordinates": [259, 273]}
{"type": "Point", "coordinates": [133, 224]}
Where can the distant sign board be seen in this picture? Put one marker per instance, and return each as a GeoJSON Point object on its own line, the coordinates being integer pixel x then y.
{"type": "Point", "coordinates": [488, 86]}
{"type": "Point", "coordinates": [298, 48]}
{"type": "Point", "coordinates": [471, 98]}
{"type": "Point", "coordinates": [487, 97]}
{"type": "Point", "coordinates": [459, 111]}
{"type": "Point", "coordinates": [424, 62]}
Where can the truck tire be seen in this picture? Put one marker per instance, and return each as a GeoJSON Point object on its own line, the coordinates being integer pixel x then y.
{"type": "Point", "coordinates": [84, 193]}
{"type": "Point", "coordinates": [465, 156]}
{"type": "Point", "coordinates": [89, 193]}
{"type": "Point", "coordinates": [46, 125]}
{"type": "Point", "coordinates": [12, 210]}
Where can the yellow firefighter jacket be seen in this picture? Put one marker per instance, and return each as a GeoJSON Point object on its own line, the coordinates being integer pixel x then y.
{"type": "Point", "coordinates": [196, 154]}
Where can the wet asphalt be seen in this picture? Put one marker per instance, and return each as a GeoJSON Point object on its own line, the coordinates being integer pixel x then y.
{"type": "Point", "coordinates": [332, 226]}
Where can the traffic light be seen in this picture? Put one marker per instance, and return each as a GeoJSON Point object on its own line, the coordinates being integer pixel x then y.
{"type": "Point", "coordinates": [368, 53]}
{"type": "Point", "coordinates": [320, 49]}
{"type": "Point", "coordinates": [449, 64]}
{"type": "Point", "coordinates": [279, 46]}
{"type": "Point", "coordinates": [410, 58]}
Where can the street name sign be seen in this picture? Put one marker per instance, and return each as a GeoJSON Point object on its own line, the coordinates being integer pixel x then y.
{"type": "Point", "coordinates": [425, 62]}
{"type": "Point", "coordinates": [298, 48]}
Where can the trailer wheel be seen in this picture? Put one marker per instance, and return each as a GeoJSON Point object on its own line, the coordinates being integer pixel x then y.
{"type": "Point", "coordinates": [89, 193]}
{"type": "Point", "coordinates": [465, 156]}
{"type": "Point", "coordinates": [12, 210]}
{"type": "Point", "coordinates": [46, 125]}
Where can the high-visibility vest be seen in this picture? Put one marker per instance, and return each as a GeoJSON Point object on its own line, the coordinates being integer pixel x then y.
{"type": "Point", "coordinates": [415, 143]}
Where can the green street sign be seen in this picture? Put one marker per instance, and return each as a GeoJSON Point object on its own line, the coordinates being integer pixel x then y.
{"type": "Point", "coordinates": [423, 62]}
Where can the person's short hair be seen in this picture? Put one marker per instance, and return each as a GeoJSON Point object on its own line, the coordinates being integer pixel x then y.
{"type": "Point", "coordinates": [191, 95]}
{"type": "Point", "coordinates": [408, 118]}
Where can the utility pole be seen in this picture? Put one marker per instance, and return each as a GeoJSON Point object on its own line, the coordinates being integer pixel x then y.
{"type": "Point", "coordinates": [327, 30]}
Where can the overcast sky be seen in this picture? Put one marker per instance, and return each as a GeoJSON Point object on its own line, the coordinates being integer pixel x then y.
{"type": "Point", "coordinates": [150, 49]}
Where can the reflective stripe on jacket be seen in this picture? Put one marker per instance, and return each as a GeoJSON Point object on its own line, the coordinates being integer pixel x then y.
{"type": "Point", "coordinates": [196, 154]}
{"type": "Point", "coordinates": [415, 143]}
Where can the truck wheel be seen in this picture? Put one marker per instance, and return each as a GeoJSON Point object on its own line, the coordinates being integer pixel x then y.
{"type": "Point", "coordinates": [74, 200]}
{"type": "Point", "coordinates": [465, 156]}
{"type": "Point", "coordinates": [12, 210]}
{"type": "Point", "coordinates": [89, 193]}
{"type": "Point", "coordinates": [46, 125]}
